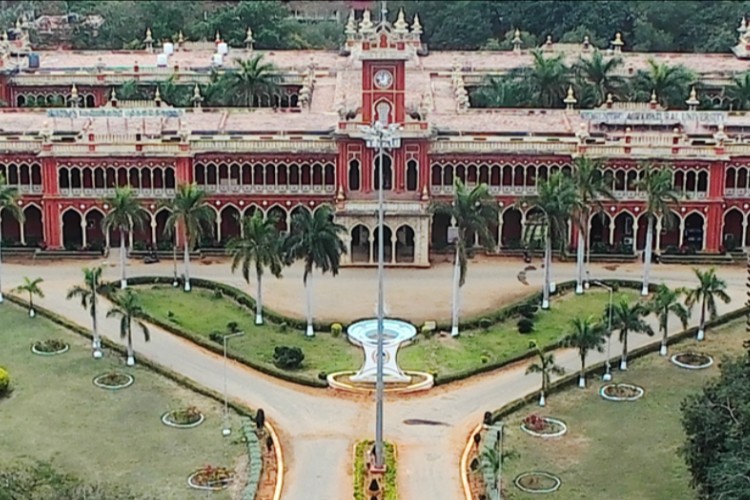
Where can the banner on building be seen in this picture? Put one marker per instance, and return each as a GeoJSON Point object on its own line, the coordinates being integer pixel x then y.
{"type": "Point", "coordinates": [115, 113]}
{"type": "Point", "coordinates": [646, 117]}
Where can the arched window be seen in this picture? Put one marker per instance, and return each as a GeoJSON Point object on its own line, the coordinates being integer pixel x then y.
{"type": "Point", "coordinates": [354, 175]}
{"type": "Point", "coordinates": [387, 172]}
{"type": "Point", "coordinates": [412, 175]}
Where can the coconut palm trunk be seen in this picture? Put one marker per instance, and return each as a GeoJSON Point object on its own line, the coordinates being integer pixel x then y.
{"type": "Point", "coordinates": [582, 376]}
{"type": "Point", "coordinates": [96, 342]}
{"type": "Point", "coordinates": [547, 266]}
{"type": "Point", "coordinates": [186, 256]}
{"type": "Point", "coordinates": [1, 274]}
{"type": "Point", "coordinates": [32, 312]}
{"type": "Point", "coordinates": [647, 253]}
{"type": "Point", "coordinates": [175, 282]}
{"type": "Point", "coordinates": [624, 358]}
{"type": "Point", "coordinates": [131, 355]}
{"type": "Point", "coordinates": [580, 254]}
{"type": "Point", "coordinates": [456, 292]}
{"type": "Point", "coordinates": [309, 300]}
{"type": "Point", "coordinates": [124, 277]}
{"type": "Point", "coordinates": [259, 298]}
{"type": "Point", "coordinates": [665, 331]}
{"type": "Point", "coordinates": [702, 325]}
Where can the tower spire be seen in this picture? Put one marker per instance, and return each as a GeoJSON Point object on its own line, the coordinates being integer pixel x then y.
{"type": "Point", "coordinates": [383, 11]}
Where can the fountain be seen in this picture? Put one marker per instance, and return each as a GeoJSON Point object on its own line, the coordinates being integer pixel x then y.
{"type": "Point", "coordinates": [365, 335]}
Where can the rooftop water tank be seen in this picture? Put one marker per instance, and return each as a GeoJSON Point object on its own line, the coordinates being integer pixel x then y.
{"type": "Point", "coordinates": [162, 60]}
{"type": "Point", "coordinates": [168, 48]}
{"type": "Point", "coordinates": [33, 60]}
{"type": "Point", "coordinates": [222, 48]}
{"type": "Point", "coordinates": [217, 60]}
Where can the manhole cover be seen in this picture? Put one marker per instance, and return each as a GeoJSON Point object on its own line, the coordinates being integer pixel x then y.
{"type": "Point", "coordinates": [419, 421]}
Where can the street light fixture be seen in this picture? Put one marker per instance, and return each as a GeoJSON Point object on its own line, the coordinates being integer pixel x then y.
{"type": "Point", "coordinates": [608, 372]}
{"type": "Point", "coordinates": [380, 136]}
{"type": "Point", "coordinates": [226, 430]}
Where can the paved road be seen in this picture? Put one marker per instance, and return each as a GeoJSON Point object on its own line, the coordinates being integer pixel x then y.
{"type": "Point", "coordinates": [318, 427]}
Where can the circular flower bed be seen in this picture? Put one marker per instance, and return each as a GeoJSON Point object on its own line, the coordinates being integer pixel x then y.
{"type": "Point", "coordinates": [621, 392]}
{"type": "Point", "coordinates": [185, 418]}
{"type": "Point", "coordinates": [49, 347]}
{"type": "Point", "coordinates": [113, 380]}
{"type": "Point", "coordinates": [545, 427]}
{"type": "Point", "coordinates": [692, 360]}
{"type": "Point", "coordinates": [211, 478]}
{"type": "Point", "coordinates": [537, 482]}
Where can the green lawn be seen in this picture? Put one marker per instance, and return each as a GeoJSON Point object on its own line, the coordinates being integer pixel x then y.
{"type": "Point", "coordinates": [55, 413]}
{"type": "Point", "coordinates": [627, 451]}
{"type": "Point", "coordinates": [200, 313]}
{"type": "Point", "coordinates": [447, 355]}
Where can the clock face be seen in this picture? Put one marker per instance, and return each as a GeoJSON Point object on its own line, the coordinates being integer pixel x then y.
{"type": "Point", "coordinates": [383, 79]}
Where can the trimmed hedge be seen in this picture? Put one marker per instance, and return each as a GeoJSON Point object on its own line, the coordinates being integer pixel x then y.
{"type": "Point", "coordinates": [239, 298]}
{"type": "Point", "coordinates": [599, 368]}
{"type": "Point", "coordinates": [254, 454]}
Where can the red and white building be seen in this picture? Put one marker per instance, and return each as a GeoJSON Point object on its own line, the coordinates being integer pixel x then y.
{"type": "Point", "coordinates": [304, 146]}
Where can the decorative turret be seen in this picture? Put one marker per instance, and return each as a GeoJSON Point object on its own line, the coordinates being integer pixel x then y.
{"type": "Point", "coordinates": [365, 26]}
{"type": "Point", "coordinates": [180, 40]}
{"type": "Point", "coordinates": [570, 100]}
{"type": "Point", "coordinates": [249, 40]}
{"type": "Point", "coordinates": [416, 28]}
{"type": "Point", "coordinates": [548, 43]}
{"type": "Point", "coordinates": [582, 134]}
{"type": "Point", "coordinates": [157, 97]}
{"type": "Point", "coordinates": [654, 101]}
{"type": "Point", "coordinates": [217, 39]}
{"type": "Point", "coordinates": [742, 29]}
{"type": "Point", "coordinates": [197, 97]}
{"type": "Point", "coordinates": [401, 26]}
{"type": "Point", "coordinates": [113, 98]}
{"type": "Point", "coordinates": [692, 100]}
{"type": "Point", "coordinates": [517, 41]}
{"type": "Point", "coordinates": [351, 26]}
{"type": "Point", "coordinates": [617, 43]}
{"type": "Point", "coordinates": [720, 136]}
{"type": "Point", "coordinates": [609, 101]}
{"type": "Point", "coordinates": [74, 96]}
{"type": "Point", "coordinates": [586, 43]}
{"type": "Point", "coordinates": [149, 41]}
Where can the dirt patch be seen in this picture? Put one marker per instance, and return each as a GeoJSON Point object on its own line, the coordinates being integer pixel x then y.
{"type": "Point", "coordinates": [240, 468]}
{"type": "Point", "coordinates": [267, 484]}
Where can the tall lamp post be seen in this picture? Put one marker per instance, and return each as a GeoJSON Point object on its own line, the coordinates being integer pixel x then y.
{"type": "Point", "coordinates": [380, 136]}
{"type": "Point", "coordinates": [608, 372]}
{"type": "Point", "coordinates": [227, 430]}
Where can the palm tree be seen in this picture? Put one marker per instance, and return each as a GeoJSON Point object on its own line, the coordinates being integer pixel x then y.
{"type": "Point", "coordinates": [125, 213]}
{"type": "Point", "coordinates": [250, 78]}
{"type": "Point", "coordinates": [592, 186]}
{"type": "Point", "coordinates": [87, 294]}
{"type": "Point", "coordinates": [556, 200]}
{"type": "Point", "coordinates": [259, 246]}
{"type": "Point", "coordinates": [628, 318]}
{"type": "Point", "coordinates": [474, 212]}
{"type": "Point", "coordinates": [710, 287]}
{"type": "Point", "coordinates": [500, 93]}
{"type": "Point", "coordinates": [547, 367]}
{"type": "Point", "coordinates": [739, 91]}
{"type": "Point", "coordinates": [547, 79]}
{"type": "Point", "coordinates": [670, 83]}
{"type": "Point", "coordinates": [656, 184]}
{"type": "Point", "coordinates": [128, 308]}
{"type": "Point", "coordinates": [597, 72]}
{"type": "Point", "coordinates": [8, 205]}
{"type": "Point", "coordinates": [190, 211]}
{"type": "Point", "coordinates": [32, 288]}
{"type": "Point", "coordinates": [666, 301]}
{"type": "Point", "coordinates": [316, 240]}
{"type": "Point", "coordinates": [587, 335]}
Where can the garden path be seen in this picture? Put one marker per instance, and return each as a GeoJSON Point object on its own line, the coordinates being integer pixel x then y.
{"type": "Point", "coordinates": [319, 427]}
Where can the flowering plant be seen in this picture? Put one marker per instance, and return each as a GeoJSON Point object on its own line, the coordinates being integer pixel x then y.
{"type": "Point", "coordinates": [212, 476]}
{"type": "Point", "coordinates": [535, 423]}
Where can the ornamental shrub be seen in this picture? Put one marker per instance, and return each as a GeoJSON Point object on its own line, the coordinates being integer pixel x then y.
{"type": "Point", "coordinates": [528, 311]}
{"type": "Point", "coordinates": [485, 323]}
{"type": "Point", "coordinates": [4, 381]}
{"type": "Point", "coordinates": [525, 325]}
{"type": "Point", "coordinates": [336, 329]}
{"type": "Point", "coordinates": [288, 358]}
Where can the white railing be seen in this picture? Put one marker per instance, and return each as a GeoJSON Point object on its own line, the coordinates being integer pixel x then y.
{"type": "Point", "coordinates": [281, 145]}
{"type": "Point", "coordinates": [264, 189]}
{"type": "Point", "coordinates": [450, 146]}
{"type": "Point", "coordinates": [109, 192]}
{"type": "Point", "coordinates": [6, 145]}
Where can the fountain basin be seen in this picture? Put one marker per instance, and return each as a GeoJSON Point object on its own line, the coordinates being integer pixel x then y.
{"type": "Point", "coordinates": [365, 334]}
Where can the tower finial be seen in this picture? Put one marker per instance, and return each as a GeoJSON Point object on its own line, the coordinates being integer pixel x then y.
{"type": "Point", "coordinates": [383, 11]}
{"type": "Point", "coordinates": [416, 28]}
{"type": "Point", "coordinates": [401, 26]}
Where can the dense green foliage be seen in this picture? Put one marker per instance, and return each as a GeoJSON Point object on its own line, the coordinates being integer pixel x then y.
{"type": "Point", "coordinates": [4, 381]}
{"type": "Point", "coordinates": [466, 24]}
{"type": "Point", "coordinates": [717, 424]}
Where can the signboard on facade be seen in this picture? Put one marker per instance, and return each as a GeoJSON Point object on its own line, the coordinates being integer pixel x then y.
{"type": "Point", "coordinates": [116, 113]}
{"type": "Point", "coordinates": [648, 117]}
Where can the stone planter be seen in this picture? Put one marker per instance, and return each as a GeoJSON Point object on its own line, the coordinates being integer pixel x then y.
{"type": "Point", "coordinates": [165, 419]}
{"type": "Point", "coordinates": [218, 487]}
{"type": "Point", "coordinates": [35, 348]}
{"type": "Point", "coordinates": [548, 483]}
{"type": "Point", "coordinates": [692, 360]}
{"type": "Point", "coordinates": [630, 392]}
{"type": "Point", "coordinates": [100, 383]}
{"type": "Point", "coordinates": [559, 425]}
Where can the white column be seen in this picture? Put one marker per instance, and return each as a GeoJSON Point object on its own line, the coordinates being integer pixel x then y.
{"type": "Point", "coordinates": [611, 231]}
{"type": "Point", "coordinates": [744, 231]}
{"type": "Point", "coordinates": [682, 232]}
{"type": "Point", "coordinates": [635, 235]}
{"type": "Point", "coordinates": [499, 230]}
{"type": "Point", "coordinates": [370, 249]}
{"type": "Point", "coordinates": [84, 239]}
{"type": "Point", "coordinates": [658, 234]}
{"type": "Point", "coordinates": [22, 232]}
{"type": "Point", "coordinates": [393, 248]}
{"type": "Point", "coordinates": [218, 225]}
{"type": "Point", "coordinates": [153, 230]}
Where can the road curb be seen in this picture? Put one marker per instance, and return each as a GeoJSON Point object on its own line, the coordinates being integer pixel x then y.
{"type": "Point", "coordinates": [279, 462]}
{"type": "Point", "coordinates": [463, 463]}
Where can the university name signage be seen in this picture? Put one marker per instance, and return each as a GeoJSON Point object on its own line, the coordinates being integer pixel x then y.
{"type": "Point", "coordinates": [116, 113]}
{"type": "Point", "coordinates": [653, 117]}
